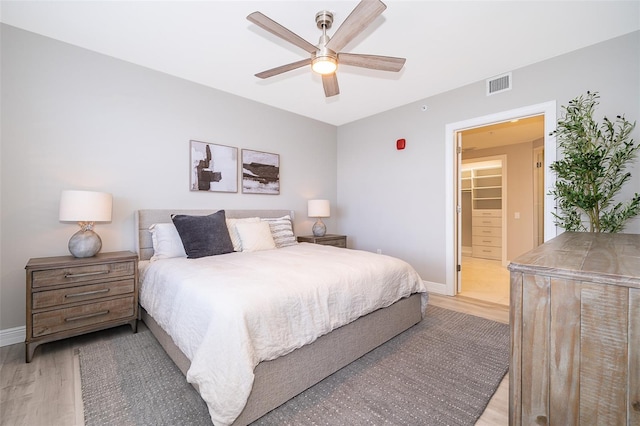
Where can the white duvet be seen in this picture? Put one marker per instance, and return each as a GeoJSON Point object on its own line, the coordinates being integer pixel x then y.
{"type": "Point", "coordinates": [228, 313]}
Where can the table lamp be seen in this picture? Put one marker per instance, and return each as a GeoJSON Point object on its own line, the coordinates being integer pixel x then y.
{"type": "Point", "coordinates": [318, 209]}
{"type": "Point", "coordinates": [85, 207]}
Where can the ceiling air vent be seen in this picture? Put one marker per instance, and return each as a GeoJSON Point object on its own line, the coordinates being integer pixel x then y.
{"type": "Point", "coordinates": [499, 84]}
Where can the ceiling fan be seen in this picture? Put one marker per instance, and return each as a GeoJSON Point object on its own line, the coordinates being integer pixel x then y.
{"type": "Point", "coordinates": [326, 56]}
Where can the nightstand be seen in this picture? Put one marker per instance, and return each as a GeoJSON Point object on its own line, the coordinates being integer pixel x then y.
{"type": "Point", "coordinates": [327, 240]}
{"type": "Point", "coordinates": [69, 296]}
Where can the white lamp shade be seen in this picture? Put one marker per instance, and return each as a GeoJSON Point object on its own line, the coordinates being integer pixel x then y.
{"type": "Point", "coordinates": [318, 208]}
{"type": "Point", "coordinates": [85, 206]}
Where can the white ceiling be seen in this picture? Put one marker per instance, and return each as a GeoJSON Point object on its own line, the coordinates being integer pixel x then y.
{"type": "Point", "coordinates": [447, 44]}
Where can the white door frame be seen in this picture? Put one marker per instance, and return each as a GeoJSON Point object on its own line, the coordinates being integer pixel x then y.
{"type": "Point", "coordinates": [548, 109]}
{"type": "Point", "coordinates": [458, 226]}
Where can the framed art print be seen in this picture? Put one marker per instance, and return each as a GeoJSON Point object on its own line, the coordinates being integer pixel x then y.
{"type": "Point", "coordinates": [260, 172]}
{"type": "Point", "coordinates": [214, 168]}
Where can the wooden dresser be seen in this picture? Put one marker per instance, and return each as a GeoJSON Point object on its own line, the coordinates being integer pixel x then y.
{"type": "Point", "coordinates": [575, 332]}
{"type": "Point", "coordinates": [68, 296]}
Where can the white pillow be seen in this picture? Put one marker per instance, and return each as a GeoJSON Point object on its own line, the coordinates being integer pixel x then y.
{"type": "Point", "coordinates": [255, 236]}
{"type": "Point", "coordinates": [233, 233]}
{"type": "Point", "coordinates": [281, 230]}
{"type": "Point", "coordinates": [166, 241]}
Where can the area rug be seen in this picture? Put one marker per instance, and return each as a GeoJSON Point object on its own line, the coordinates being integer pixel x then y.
{"type": "Point", "coordinates": [443, 371]}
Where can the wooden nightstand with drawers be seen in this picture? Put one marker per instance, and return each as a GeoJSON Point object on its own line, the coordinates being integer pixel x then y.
{"type": "Point", "coordinates": [68, 296]}
{"type": "Point", "coordinates": [327, 240]}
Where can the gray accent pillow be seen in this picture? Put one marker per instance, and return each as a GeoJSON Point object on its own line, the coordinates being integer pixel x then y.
{"type": "Point", "coordinates": [203, 235]}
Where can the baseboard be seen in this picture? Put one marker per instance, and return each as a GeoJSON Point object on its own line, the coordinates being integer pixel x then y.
{"type": "Point", "coordinates": [437, 288]}
{"type": "Point", "coordinates": [14, 335]}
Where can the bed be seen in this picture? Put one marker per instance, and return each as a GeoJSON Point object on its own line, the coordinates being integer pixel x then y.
{"type": "Point", "coordinates": [301, 365]}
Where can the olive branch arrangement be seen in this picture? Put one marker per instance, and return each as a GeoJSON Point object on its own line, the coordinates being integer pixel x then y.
{"type": "Point", "coordinates": [593, 169]}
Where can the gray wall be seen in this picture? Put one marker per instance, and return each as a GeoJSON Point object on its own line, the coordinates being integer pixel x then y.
{"type": "Point", "coordinates": [75, 119]}
{"type": "Point", "coordinates": [394, 200]}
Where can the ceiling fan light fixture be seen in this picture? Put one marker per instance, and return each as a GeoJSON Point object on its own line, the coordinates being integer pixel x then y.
{"type": "Point", "coordinates": [324, 65]}
{"type": "Point", "coordinates": [328, 52]}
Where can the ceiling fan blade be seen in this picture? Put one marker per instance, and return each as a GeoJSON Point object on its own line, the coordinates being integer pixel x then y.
{"type": "Point", "coordinates": [375, 62]}
{"type": "Point", "coordinates": [273, 27]}
{"type": "Point", "coordinates": [330, 84]}
{"type": "Point", "coordinates": [359, 19]}
{"type": "Point", "coordinates": [283, 68]}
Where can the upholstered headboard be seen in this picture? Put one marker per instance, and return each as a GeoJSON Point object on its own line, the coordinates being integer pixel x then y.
{"type": "Point", "coordinates": [146, 218]}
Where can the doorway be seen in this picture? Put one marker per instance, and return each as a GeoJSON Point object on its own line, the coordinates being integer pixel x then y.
{"type": "Point", "coordinates": [483, 231]}
{"type": "Point", "coordinates": [454, 144]}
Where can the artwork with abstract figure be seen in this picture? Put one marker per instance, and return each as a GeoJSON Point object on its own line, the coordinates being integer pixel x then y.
{"type": "Point", "coordinates": [205, 173]}
{"type": "Point", "coordinates": [213, 167]}
{"type": "Point", "coordinates": [260, 172]}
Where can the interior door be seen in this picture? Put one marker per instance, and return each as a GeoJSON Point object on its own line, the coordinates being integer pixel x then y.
{"type": "Point", "coordinates": [538, 196]}
{"type": "Point", "coordinates": [458, 210]}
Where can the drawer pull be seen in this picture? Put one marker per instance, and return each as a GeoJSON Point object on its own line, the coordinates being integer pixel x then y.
{"type": "Point", "coordinates": [81, 317]}
{"type": "Point", "coordinates": [86, 274]}
{"type": "Point", "coordinates": [485, 241]}
{"type": "Point", "coordinates": [87, 293]}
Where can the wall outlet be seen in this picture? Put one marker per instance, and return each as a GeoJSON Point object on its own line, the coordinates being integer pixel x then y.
{"type": "Point", "coordinates": [379, 251]}
{"type": "Point", "coordinates": [516, 215]}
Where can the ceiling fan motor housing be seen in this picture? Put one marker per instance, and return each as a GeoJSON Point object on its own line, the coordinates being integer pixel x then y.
{"type": "Point", "coordinates": [325, 60]}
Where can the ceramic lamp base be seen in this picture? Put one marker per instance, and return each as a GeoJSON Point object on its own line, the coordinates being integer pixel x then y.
{"type": "Point", "coordinates": [85, 243]}
{"type": "Point", "coordinates": [319, 229]}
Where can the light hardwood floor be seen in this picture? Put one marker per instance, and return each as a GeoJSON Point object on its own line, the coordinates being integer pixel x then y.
{"type": "Point", "coordinates": [46, 392]}
{"type": "Point", "coordinates": [485, 279]}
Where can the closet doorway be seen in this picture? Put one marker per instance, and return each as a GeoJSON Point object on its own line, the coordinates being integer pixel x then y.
{"type": "Point", "coordinates": [492, 157]}
{"type": "Point", "coordinates": [453, 158]}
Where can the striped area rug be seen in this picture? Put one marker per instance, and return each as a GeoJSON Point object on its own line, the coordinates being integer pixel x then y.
{"type": "Point", "coordinates": [442, 371]}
